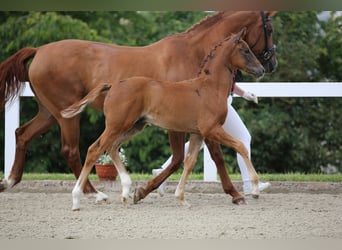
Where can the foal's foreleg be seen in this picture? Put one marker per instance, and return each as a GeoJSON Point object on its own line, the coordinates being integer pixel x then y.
{"type": "Point", "coordinates": [219, 135]}
{"type": "Point", "coordinates": [177, 141]}
{"type": "Point", "coordinates": [228, 187]}
{"type": "Point", "coordinates": [196, 142]}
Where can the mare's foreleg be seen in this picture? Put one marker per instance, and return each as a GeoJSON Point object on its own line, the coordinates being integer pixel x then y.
{"type": "Point", "coordinates": [177, 141]}
{"type": "Point", "coordinates": [196, 142]}
{"type": "Point", "coordinates": [218, 135]}
{"type": "Point", "coordinates": [228, 187]}
{"type": "Point", "coordinates": [24, 134]}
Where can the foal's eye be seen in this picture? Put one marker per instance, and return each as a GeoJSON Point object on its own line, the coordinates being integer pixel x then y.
{"type": "Point", "coordinates": [246, 51]}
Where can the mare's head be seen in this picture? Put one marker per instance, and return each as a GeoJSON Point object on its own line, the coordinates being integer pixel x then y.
{"type": "Point", "coordinates": [239, 55]}
{"type": "Point", "coordinates": [259, 38]}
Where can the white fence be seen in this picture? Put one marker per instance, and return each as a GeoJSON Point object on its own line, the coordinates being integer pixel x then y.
{"type": "Point", "coordinates": [274, 89]}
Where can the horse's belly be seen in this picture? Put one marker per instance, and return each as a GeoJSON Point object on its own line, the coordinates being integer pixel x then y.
{"type": "Point", "coordinates": [172, 123]}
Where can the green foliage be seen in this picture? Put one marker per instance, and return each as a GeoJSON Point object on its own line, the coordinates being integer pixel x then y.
{"type": "Point", "coordinates": [35, 28]}
{"type": "Point", "coordinates": [294, 134]}
{"type": "Point", "coordinates": [330, 52]}
{"type": "Point", "coordinates": [296, 36]}
{"type": "Point", "coordinates": [289, 134]}
{"type": "Point", "coordinates": [147, 151]}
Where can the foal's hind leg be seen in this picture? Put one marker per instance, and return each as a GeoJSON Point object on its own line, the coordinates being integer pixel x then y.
{"type": "Point", "coordinates": [126, 181]}
{"type": "Point", "coordinates": [94, 152]}
{"type": "Point", "coordinates": [189, 162]}
{"type": "Point", "coordinates": [24, 134]}
{"type": "Point", "coordinates": [228, 187]}
{"type": "Point", "coordinates": [219, 135]}
{"type": "Point", "coordinates": [177, 141]}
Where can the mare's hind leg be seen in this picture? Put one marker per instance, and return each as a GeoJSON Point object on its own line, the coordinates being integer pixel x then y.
{"type": "Point", "coordinates": [217, 155]}
{"type": "Point", "coordinates": [24, 134]}
{"type": "Point", "coordinates": [177, 141]}
{"type": "Point", "coordinates": [219, 135]}
{"type": "Point", "coordinates": [70, 150]}
{"type": "Point", "coordinates": [189, 162]}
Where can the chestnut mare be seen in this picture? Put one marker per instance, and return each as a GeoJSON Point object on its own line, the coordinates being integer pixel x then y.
{"type": "Point", "coordinates": [197, 106]}
{"type": "Point", "coordinates": [61, 73]}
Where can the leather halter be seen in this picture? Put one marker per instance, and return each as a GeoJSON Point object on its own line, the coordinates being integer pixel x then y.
{"type": "Point", "coordinates": [268, 52]}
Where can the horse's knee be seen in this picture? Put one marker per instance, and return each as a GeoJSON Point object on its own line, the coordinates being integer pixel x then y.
{"type": "Point", "coordinates": [69, 153]}
{"type": "Point", "coordinates": [21, 143]}
{"type": "Point", "coordinates": [242, 150]}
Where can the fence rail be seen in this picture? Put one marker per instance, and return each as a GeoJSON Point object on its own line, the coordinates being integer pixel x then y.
{"type": "Point", "coordinates": [272, 89]}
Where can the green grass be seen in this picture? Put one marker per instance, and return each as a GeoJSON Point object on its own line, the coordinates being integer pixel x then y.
{"type": "Point", "coordinates": [176, 177]}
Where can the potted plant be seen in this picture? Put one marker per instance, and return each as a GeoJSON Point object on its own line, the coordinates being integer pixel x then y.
{"type": "Point", "coordinates": [105, 169]}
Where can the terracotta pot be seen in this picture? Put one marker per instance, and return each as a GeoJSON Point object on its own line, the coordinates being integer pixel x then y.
{"type": "Point", "coordinates": [106, 172]}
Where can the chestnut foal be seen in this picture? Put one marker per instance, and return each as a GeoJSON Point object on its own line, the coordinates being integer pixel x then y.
{"type": "Point", "coordinates": [197, 106]}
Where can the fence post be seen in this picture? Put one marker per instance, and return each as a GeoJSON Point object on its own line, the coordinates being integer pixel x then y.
{"type": "Point", "coordinates": [12, 122]}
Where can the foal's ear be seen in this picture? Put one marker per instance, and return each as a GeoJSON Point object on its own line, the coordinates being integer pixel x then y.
{"type": "Point", "coordinates": [240, 35]}
{"type": "Point", "coordinates": [270, 13]}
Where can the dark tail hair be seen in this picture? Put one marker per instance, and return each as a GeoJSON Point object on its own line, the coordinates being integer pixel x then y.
{"type": "Point", "coordinates": [14, 72]}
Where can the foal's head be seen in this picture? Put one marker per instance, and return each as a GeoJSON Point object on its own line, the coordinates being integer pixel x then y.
{"type": "Point", "coordinates": [239, 56]}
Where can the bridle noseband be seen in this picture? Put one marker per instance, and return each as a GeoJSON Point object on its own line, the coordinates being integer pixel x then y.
{"type": "Point", "coordinates": [268, 52]}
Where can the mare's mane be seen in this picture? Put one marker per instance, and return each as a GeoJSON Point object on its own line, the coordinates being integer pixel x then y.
{"type": "Point", "coordinates": [204, 23]}
{"type": "Point", "coordinates": [207, 21]}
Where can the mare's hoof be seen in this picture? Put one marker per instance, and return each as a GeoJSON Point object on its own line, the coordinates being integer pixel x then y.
{"type": "Point", "coordinates": [138, 195]}
{"type": "Point", "coordinates": [240, 201]}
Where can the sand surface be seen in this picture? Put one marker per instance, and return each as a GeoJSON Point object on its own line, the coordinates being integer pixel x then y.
{"type": "Point", "coordinates": [42, 210]}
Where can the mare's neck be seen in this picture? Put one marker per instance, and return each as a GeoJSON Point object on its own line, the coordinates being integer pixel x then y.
{"type": "Point", "coordinates": [217, 27]}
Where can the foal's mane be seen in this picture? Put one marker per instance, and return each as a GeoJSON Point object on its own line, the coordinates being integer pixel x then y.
{"type": "Point", "coordinates": [210, 56]}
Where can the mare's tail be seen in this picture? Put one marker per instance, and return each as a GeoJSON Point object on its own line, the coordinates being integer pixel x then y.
{"type": "Point", "coordinates": [13, 73]}
{"type": "Point", "coordinates": [79, 106]}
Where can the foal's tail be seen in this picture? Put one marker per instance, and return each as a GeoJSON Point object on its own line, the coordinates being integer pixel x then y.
{"type": "Point", "coordinates": [13, 73]}
{"type": "Point", "coordinates": [79, 106]}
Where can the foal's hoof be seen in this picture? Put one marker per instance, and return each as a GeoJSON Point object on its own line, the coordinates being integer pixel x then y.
{"type": "Point", "coordinates": [138, 195]}
{"type": "Point", "coordinates": [123, 200]}
{"type": "Point", "coordinates": [101, 197]}
{"type": "Point", "coordinates": [240, 201]}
